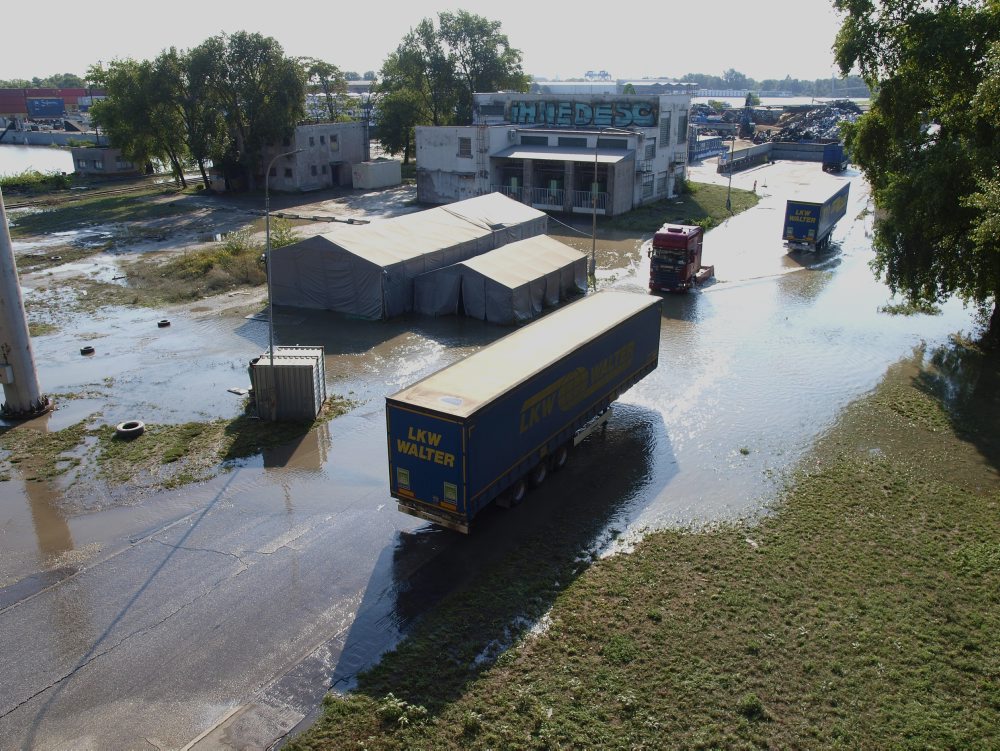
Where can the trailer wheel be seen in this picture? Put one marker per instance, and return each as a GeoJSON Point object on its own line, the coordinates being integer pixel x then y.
{"type": "Point", "coordinates": [539, 473]}
{"type": "Point", "coordinates": [517, 492]}
{"type": "Point", "coordinates": [560, 457]}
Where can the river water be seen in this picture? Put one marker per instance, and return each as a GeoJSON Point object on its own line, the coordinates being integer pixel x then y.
{"type": "Point", "coordinates": [16, 159]}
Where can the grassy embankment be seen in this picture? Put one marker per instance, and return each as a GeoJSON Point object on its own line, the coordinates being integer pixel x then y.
{"type": "Point", "coordinates": [862, 613]}
{"type": "Point", "coordinates": [702, 203]}
{"type": "Point", "coordinates": [163, 456]}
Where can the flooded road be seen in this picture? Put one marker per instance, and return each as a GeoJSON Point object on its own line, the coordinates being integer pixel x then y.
{"type": "Point", "coordinates": [217, 615]}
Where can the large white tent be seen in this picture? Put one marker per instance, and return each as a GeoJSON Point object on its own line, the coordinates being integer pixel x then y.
{"type": "Point", "coordinates": [367, 270]}
{"type": "Point", "coordinates": [508, 285]}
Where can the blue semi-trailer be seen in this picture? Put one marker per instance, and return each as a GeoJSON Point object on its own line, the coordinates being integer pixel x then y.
{"type": "Point", "coordinates": [489, 426]}
{"type": "Point", "coordinates": [810, 218]}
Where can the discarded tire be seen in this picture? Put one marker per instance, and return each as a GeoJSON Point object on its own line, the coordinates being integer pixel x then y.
{"type": "Point", "coordinates": [88, 350]}
{"type": "Point", "coordinates": [163, 323]}
{"type": "Point", "coordinates": [129, 430]}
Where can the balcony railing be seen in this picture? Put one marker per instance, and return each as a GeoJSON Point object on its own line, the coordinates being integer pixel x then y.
{"type": "Point", "coordinates": [545, 197]}
{"type": "Point", "coordinates": [585, 200]}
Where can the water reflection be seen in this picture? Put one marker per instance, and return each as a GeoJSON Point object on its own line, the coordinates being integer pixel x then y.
{"type": "Point", "coordinates": [567, 519]}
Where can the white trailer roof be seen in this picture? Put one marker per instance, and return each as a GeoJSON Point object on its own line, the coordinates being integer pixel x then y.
{"type": "Point", "coordinates": [461, 389]}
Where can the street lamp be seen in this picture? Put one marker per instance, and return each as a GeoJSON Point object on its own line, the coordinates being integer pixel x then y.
{"type": "Point", "coordinates": [729, 192]}
{"type": "Point", "coordinates": [267, 266]}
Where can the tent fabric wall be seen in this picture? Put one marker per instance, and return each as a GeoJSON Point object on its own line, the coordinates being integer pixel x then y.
{"type": "Point", "coordinates": [368, 270]}
{"type": "Point", "coordinates": [511, 284]}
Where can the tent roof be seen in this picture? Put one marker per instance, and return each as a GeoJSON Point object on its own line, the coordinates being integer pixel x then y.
{"type": "Point", "coordinates": [389, 241]}
{"type": "Point", "coordinates": [462, 388]}
{"type": "Point", "coordinates": [519, 262]}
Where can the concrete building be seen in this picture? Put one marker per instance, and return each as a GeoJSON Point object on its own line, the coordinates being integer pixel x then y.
{"type": "Point", "coordinates": [328, 151]}
{"type": "Point", "coordinates": [101, 160]}
{"type": "Point", "coordinates": [560, 152]}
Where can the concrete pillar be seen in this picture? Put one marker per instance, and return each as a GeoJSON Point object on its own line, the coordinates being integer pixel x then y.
{"type": "Point", "coordinates": [529, 180]}
{"type": "Point", "coordinates": [23, 395]}
{"type": "Point", "coordinates": [569, 183]}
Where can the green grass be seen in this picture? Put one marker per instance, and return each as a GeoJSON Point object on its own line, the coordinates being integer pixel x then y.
{"type": "Point", "coordinates": [164, 456]}
{"type": "Point", "coordinates": [705, 204]}
{"type": "Point", "coordinates": [134, 207]}
{"type": "Point", "coordinates": [862, 614]}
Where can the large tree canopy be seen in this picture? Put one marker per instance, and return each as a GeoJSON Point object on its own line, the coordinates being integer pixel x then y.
{"type": "Point", "coordinates": [431, 76]}
{"type": "Point", "coordinates": [929, 145]}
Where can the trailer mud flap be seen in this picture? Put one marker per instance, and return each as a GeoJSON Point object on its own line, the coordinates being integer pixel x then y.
{"type": "Point", "coordinates": [427, 513]}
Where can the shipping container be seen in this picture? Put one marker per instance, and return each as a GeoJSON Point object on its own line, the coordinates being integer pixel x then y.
{"type": "Point", "coordinates": [294, 388]}
{"type": "Point", "coordinates": [810, 217]}
{"type": "Point", "coordinates": [47, 107]}
{"type": "Point", "coordinates": [485, 427]}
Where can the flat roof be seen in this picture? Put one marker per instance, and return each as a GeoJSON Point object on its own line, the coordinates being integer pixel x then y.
{"type": "Point", "coordinates": [462, 388]}
{"type": "Point", "coordinates": [556, 153]}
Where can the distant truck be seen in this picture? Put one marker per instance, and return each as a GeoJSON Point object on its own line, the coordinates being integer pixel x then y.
{"type": "Point", "coordinates": [834, 157]}
{"type": "Point", "coordinates": [809, 219]}
{"type": "Point", "coordinates": [489, 426]}
{"type": "Point", "coordinates": [675, 258]}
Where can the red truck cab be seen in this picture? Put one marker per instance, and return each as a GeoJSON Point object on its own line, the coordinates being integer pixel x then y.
{"type": "Point", "coordinates": [675, 258]}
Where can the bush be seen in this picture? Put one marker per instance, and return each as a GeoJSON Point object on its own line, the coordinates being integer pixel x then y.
{"type": "Point", "coordinates": [33, 181]}
{"type": "Point", "coordinates": [282, 233]}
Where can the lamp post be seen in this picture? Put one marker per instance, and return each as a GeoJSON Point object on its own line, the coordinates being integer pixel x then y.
{"type": "Point", "coordinates": [729, 191]}
{"type": "Point", "coordinates": [267, 267]}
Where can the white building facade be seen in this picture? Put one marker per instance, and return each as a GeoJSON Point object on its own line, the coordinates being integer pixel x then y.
{"type": "Point", "coordinates": [326, 154]}
{"type": "Point", "coordinates": [572, 152]}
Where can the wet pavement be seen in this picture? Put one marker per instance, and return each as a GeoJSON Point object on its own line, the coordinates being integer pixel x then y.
{"type": "Point", "coordinates": [217, 615]}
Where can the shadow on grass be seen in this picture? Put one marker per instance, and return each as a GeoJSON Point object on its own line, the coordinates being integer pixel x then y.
{"type": "Point", "coordinates": [462, 601]}
{"type": "Point", "coordinates": [965, 380]}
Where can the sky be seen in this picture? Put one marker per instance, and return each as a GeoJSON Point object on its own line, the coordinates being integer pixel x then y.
{"type": "Point", "coordinates": [762, 39]}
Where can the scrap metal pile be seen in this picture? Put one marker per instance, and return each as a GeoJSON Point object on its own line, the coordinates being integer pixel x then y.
{"type": "Point", "coordinates": [815, 123]}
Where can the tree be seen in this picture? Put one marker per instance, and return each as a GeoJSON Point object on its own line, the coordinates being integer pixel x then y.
{"type": "Point", "coordinates": [260, 91]}
{"type": "Point", "coordinates": [482, 58]}
{"type": "Point", "coordinates": [186, 79]}
{"type": "Point", "coordinates": [137, 114]}
{"type": "Point", "coordinates": [429, 79]}
{"type": "Point", "coordinates": [930, 157]}
{"type": "Point", "coordinates": [326, 80]}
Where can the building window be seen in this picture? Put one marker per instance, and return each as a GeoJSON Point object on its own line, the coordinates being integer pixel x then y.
{"type": "Point", "coordinates": [273, 172]}
{"type": "Point", "coordinates": [98, 164]}
{"type": "Point", "coordinates": [465, 148]}
{"type": "Point", "coordinates": [334, 142]}
{"type": "Point", "coordinates": [647, 185]}
{"type": "Point", "coordinates": [534, 140]}
{"type": "Point", "coordinates": [322, 139]}
{"type": "Point", "coordinates": [288, 172]}
{"type": "Point", "coordinates": [312, 141]}
{"type": "Point", "coordinates": [682, 127]}
{"type": "Point", "coordinates": [324, 166]}
{"type": "Point", "coordinates": [617, 144]}
{"type": "Point", "coordinates": [665, 130]}
{"type": "Point", "coordinates": [312, 169]}
{"type": "Point", "coordinates": [81, 163]}
{"type": "Point", "coordinates": [651, 148]}
{"type": "Point", "coordinates": [661, 184]}
{"type": "Point", "coordinates": [580, 142]}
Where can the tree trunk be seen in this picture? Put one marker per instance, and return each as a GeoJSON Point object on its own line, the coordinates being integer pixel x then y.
{"type": "Point", "coordinates": [204, 175]}
{"type": "Point", "coordinates": [992, 338]}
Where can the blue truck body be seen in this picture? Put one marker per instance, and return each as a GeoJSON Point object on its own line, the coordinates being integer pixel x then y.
{"type": "Point", "coordinates": [834, 157]}
{"type": "Point", "coordinates": [479, 429]}
{"type": "Point", "coordinates": [809, 219]}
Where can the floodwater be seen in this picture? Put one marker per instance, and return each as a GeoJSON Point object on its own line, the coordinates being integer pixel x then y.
{"type": "Point", "coordinates": [16, 159]}
{"type": "Point", "coordinates": [226, 609]}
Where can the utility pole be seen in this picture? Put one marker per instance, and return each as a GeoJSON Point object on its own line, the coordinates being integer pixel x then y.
{"type": "Point", "coordinates": [23, 395]}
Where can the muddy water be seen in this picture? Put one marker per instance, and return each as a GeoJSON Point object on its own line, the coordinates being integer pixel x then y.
{"type": "Point", "coordinates": [303, 548]}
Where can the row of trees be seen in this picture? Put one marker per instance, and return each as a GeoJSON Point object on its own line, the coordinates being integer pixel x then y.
{"type": "Point", "coordinates": [57, 81]}
{"type": "Point", "coordinates": [846, 86]}
{"type": "Point", "coordinates": [221, 101]}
